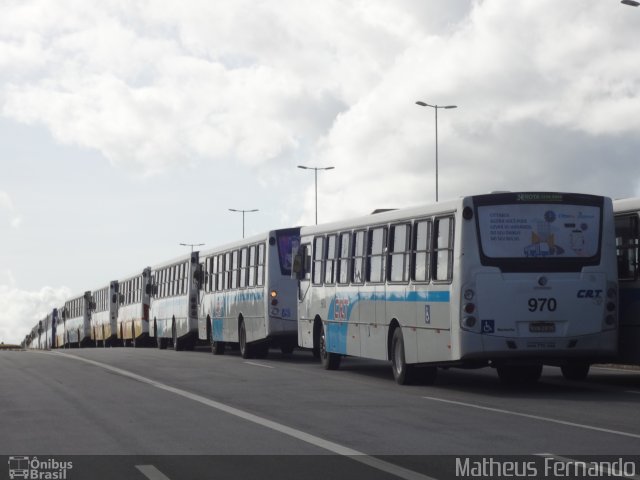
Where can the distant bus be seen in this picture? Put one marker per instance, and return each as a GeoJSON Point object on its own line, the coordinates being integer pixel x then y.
{"type": "Point", "coordinates": [105, 315]}
{"type": "Point", "coordinates": [133, 312]}
{"type": "Point", "coordinates": [627, 216]}
{"type": "Point", "coordinates": [508, 280]}
{"type": "Point", "coordinates": [174, 303]}
{"type": "Point", "coordinates": [77, 321]}
{"type": "Point", "coordinates": [247, 295]}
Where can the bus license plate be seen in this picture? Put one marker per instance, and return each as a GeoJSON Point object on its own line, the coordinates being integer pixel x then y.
{"type": "Point", "coordinates": [542, 327]}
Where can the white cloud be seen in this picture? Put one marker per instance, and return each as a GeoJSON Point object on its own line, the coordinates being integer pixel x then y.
{"type": "Point", "coordinates": [7, 210]}
{"type": "Point", "coordinates": [21, 310]}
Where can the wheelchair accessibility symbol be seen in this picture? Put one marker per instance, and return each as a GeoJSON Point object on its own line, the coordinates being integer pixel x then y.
{"type": "Point", "coordinates": [488, 326]}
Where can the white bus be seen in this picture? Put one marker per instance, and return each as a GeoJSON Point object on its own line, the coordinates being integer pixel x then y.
{"type": "Point", "coordinates": [174, 303]}
{"type": "Point", "coordinates": [77, 321]}
{"type": "Point", "coordinates": [247, 295]}
{"type": "Point", "coordinates": [105, 315]}
{"type": "Point", "coordinates": [508, 280]}
{"type": "Point", "coordinates": [627, 216]}
{"type": "Point", "coordinates": [134, 304]}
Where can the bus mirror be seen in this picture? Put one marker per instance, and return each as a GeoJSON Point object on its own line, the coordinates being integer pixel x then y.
{"type": "Point", "coordinates": [121, 297]}
{"type": "Point", "coordinates": [296, 268]}
{"type": "Point", "coordinates": [92, 305]}
{"type": "Point", "coordinates": [114, 298]}
{"type": "Point", "coordinates": [147, 289]}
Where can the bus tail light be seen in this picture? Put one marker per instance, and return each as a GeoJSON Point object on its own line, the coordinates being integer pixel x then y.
{"type": "Point", "coordinates": [611, 307]}
{"type": "Point", "coordinates": [469, 308]}
{"type": "Point", "coordinates": [469, 322]}
{"type": "Point", "coordinates": [274, 299]}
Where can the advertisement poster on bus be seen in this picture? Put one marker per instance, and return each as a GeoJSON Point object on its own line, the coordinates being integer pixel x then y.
{"type": "Point", "coordinates": [539, 230]}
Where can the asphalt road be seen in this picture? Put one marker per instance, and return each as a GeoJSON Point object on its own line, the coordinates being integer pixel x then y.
{"type": "Point", "coordinates": [149, 414]}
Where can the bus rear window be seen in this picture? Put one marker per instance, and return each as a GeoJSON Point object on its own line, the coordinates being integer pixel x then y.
{"type": "Point", "coordinates": [288, 242]}
{"type": "Point", "coordinates": [534, 236]}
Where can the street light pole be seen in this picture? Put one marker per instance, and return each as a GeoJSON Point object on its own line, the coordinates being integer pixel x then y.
{"type": "Point", "coordinates": [315, 169]}
{"type": "Point", "coordinates": [436, 107]}
{"type": "Point", "coordinates": [192, 245]}
{"type": "Point", "coordinates": [243, 212]}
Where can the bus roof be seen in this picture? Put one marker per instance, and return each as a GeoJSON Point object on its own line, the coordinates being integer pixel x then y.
{"type": "Point", "coordinates": [246, 241]}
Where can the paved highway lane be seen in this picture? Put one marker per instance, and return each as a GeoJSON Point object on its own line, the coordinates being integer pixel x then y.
{"type": "Point", "coordinates": [149, 402]}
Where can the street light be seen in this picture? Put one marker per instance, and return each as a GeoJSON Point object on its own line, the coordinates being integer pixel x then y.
{"type": "Point", "coordinates": [633, 3]}
{"type": "Point", "coordinates": [192, 245]}
{"type": "Point", "coordinates": [243, 212]}
{"type": "Point", "coordinates": [315, 169]}
{"type": "Point", "coordinates": [436, 107]}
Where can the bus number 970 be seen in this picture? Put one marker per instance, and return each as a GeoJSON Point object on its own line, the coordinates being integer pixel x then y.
{"type": "Point", "coordinates": [542, 304]}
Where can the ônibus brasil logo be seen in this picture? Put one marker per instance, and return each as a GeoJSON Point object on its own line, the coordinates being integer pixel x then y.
{"type": "Point", "coordinates": [36, 469]}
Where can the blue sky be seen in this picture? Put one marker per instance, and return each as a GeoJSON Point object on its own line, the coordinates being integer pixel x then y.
{"type": "Point", "coordinates": [127, 127]}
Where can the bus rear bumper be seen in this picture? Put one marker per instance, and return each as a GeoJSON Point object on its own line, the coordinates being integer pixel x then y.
{"type": "Point", "coordinates": [594, 347]}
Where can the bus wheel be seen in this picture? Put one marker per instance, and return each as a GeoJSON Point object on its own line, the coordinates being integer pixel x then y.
{"type": "Point", "coordinates": [575, 371]}
{"type": "Point", "coordinates": [287, 347]}
{"type": "Point", "coordinates": [245, 348]}
{"type": "Point", "coordinates": [161, 342]}
{"type": "Point", "coordinates": [403, 373]}
{"type": "Point", "coordinates": [317, 333]}
{"type": "Point", "coordinates": [330, 361]}
{"type": "Point", "coordinates": [177, 342]}
{"type": "Point", "coordinates": [218, 348]}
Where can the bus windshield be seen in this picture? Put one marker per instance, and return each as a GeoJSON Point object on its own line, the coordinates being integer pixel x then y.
{"type": "Point", "coordinates": [288, 242]}
{"type": "Point", "coordinates": [539, 232]}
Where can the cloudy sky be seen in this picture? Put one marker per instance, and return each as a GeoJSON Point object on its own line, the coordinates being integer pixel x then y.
{"type": "Point", "coordinates": [129, 126]}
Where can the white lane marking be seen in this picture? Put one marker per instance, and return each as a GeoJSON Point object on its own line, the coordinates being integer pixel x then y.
{"type": "Point", "coordinates": [535, 417]}
{"type": "Point", "coordinates": [602, 469]}
{"type": "Point", "coordinates": [258, 365]}
{"type": "Point", "coordinates": [151, 472]}
{"type": "Point", "coordinates": [336, 448]}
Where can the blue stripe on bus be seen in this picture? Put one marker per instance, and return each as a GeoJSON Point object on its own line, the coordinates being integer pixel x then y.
{"type": "Point", "coordinates": [337, 332]}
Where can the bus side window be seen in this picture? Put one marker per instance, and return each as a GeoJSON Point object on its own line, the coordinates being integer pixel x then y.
{"type": "Point", "coordinates": [343, 258]}
{"type": "Point", "coordinates": [421, 251]}
{"type": "Point", "coordinates": [357, 270]}
{"type": "Point", "coordinates": [318, 251]}
{"type": "Point", "coordinates": [252, 266]}
{"type": "Point", "coordinates": [330, 261]}
{"type": "Point", "coordinates": [375, 254]}
{"type": "Point", "coordinates": [627, 246]}
{"type": "Point", "coordinates": [260, 264]}
{"type": "Point", "coordinates": [244, 266]}
{"type": "Point", "coordinates": [398, 270]}
{"type": "Point", "coordinates": [443, 251]}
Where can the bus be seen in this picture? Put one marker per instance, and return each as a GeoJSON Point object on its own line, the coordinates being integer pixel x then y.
{"type": "Point", "coordinates": [627, 213]}
{"type": "Point", "coordinates": [134, 301]}
{"type": "Point", "coordinates": [247, 295]}
{"type": "Point", "coordinates": [105, 315]}
{"type": "Point", "coordinates": [77, 321]}
{"type": "Point", "coordinates": [507, 280]}
{"type": "Point", "coordinates": [174, 303]}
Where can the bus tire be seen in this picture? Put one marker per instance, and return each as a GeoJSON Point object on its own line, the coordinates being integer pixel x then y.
{"type": "Point", "coordinates": [161, 342]}
{"type": "Point", "coordinates": [177, 342]}
{"type": "Point", "coordinates": [330, 361]}
{"type": "Point", "coordinates": [245, 349]}
{"type": "Point", "coordinates": [575, 371]}
{"type": "Point", "coordinates": [403, 373]}
{"type": "Point", "coordinates": [317, 333]}
{"type": "Point", "coordinates": [287, 347]}
{"type": "Point", "coordinates": [218, 348]}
